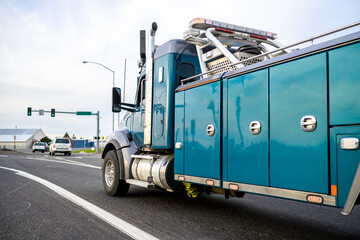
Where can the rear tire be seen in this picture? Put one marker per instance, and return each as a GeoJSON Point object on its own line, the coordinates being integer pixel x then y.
{"type": "Point", "coordinates": [113, 185]}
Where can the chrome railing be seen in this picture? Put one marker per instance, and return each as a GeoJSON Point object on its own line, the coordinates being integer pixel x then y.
{"type": "Point", "coordinates": [274, 51]}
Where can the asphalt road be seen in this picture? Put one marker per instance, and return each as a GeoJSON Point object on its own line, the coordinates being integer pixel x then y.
{"type": "Point", "coordinates": [30, 209]}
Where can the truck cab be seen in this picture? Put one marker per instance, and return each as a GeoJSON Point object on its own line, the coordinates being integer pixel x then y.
{"type": "Point", "coordinates": [174, 61]}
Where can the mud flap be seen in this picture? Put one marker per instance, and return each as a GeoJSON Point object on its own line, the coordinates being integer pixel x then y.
{"type": "Point", "coordinates": [353, 194]}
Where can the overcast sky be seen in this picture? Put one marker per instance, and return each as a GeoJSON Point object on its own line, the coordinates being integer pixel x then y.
{"type": "Point", "coordinates": [43, 44]}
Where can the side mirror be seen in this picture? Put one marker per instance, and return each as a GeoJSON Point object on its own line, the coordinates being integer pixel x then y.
{"type": "Point", "coordinates": [116, 99]}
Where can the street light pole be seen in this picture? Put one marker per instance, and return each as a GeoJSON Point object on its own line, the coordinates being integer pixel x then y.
{"type": "Point", "coordinates": [113, 72]}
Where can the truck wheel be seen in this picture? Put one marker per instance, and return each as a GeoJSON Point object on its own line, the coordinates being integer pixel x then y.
{"type": "Point", "coordinates": [110, 176]}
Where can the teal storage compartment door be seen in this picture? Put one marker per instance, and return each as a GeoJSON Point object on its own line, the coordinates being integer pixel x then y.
{"type": "Point", "coordinates": [247, 152]}
{"type": "Point", "coordinates": [298, 158]}
{"type": "Point", "coordinates": [179, 133]}
{"type": "Point", "coordinates": [344, 87]}
{"type": "Point", "coordinates": [202, 151]}
{"type": "Point", "coordinates": [347, 163]}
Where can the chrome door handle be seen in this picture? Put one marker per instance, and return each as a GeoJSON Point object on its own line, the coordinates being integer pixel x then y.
{"type": "Point", "coordinates": [255, 127]}
{"type": "Point", "coordinates": [178, 145]}
{"type": "Point", "coordinates": [308, 123]}
{"type": "Point", "coordinates": [210, 130]}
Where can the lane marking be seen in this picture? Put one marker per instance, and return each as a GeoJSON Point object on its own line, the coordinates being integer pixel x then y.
{"type": "Point", "coordinates": [118, 223]}
{"type": "Point", "coordinates": [17, 189]}
{"type": "Point", "coordinates": [71, 161]}
{"type": "Point", "coordinates": [4, 156]}
{"type": "Point", "coordinates": [65, 162]}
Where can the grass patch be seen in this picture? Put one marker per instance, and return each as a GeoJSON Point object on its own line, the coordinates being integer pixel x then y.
{"type": "Point", "coordinates": [87, 151]}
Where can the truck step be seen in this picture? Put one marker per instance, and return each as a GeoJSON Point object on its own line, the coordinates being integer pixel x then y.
{"type": "Point", "coordinates": [149, 157]}
{"type": "Point", "coordinates": [140, 183]}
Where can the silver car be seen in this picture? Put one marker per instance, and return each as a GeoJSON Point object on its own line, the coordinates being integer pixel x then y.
{"type": "Point", "coordinates": [39, 146]}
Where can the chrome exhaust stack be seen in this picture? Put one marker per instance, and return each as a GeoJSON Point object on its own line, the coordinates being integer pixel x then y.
{"type": "Point", "coordinates": [149, 84]}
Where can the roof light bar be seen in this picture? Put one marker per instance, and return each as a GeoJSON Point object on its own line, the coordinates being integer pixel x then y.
{"type": "Point", "coordinates": [203, 24]}
{"type": "Point", "coordinates": [258, 36]}
{"type": "Point", "coordinates": [224, 30]}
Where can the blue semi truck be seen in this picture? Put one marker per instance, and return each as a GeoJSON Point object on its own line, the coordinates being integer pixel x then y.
{"type": "Point", "coordinates": [228, 110]}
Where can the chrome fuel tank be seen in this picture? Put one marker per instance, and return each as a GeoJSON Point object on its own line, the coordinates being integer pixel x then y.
{"type": "Point", "coordinates": [158, 169]}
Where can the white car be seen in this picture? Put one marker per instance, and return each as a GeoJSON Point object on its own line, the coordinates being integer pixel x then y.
{"type": "Point", "coordinates": [60, 145]}
{"type": "Point", "coordinates": [39, 146]}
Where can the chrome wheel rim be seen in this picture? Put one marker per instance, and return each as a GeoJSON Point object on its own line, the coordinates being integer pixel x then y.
{"type": "Point", "coordinates": [109, 173]}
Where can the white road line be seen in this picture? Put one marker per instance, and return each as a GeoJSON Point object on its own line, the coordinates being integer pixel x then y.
{"type": "Point", "coordinates": [4, 156]}
{"type": "Point", "coordinates": [65, 162]}
{"type": "Point", "coordinates": [71, 161]}
{"type": "Point", "coordinates": [111, 219]}
{"type": "Point", "coordinates": [16, 189]}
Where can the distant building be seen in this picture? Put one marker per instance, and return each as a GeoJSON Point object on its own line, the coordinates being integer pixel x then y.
{"type": "Point", "coordinates": [19, 138]}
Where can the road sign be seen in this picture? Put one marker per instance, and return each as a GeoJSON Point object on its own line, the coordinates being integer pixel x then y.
{"type": "Point", "coordinates": [83, 113]}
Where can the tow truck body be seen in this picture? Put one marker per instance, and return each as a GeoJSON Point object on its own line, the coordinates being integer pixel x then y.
{"type": "Point", "coordinates": [229, 110]}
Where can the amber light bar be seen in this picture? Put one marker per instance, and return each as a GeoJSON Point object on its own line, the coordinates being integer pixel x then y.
{"type": "Point", "coordinates": [203, 24]}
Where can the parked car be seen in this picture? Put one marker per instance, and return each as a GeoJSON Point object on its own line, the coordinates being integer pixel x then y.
{"type": "Point", "coordinates": [46, 147]}
{"type": "Point", "coordinates": [39, 146]}
{"type": "Point", "coordinates": [60, 145]}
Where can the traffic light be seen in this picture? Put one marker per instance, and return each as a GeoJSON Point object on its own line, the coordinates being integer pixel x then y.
{"type": "Point", "coordinates": [53, 112]}
{"type": "Point", "coordinates": [29, 111]}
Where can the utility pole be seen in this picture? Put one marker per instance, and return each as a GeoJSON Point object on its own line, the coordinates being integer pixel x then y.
{"type": "Point", "coordinates": [124, 81]}
{"type": "Point", "coordinates": [97, 130]}
{"type": "Point", "coordinates": [123, 91]}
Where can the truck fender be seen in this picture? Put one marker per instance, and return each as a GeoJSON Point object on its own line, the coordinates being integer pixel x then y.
{"type": "Point", "coordinates": [124, 148]}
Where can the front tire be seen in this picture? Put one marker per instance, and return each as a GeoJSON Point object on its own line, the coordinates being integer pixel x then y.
{"type": "Point", "coordinates": [114, 186]}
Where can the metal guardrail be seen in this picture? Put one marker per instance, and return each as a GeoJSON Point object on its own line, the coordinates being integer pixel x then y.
{"type": "Point", "coordinates": [275, 51]}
